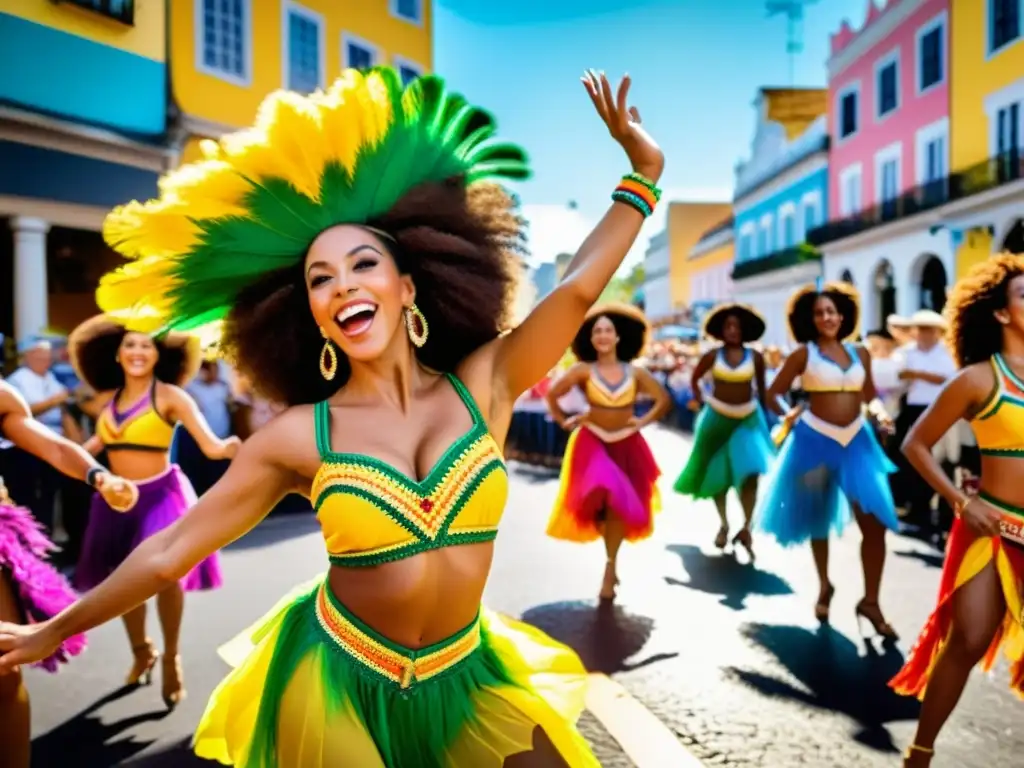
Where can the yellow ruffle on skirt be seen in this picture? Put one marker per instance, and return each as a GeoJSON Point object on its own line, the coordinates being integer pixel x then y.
{"type": "Point", "coordinates": [314, 687]}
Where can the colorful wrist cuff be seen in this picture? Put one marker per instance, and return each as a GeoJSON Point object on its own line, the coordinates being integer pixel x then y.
{"type": "Point", "coordinates": [639, 192]}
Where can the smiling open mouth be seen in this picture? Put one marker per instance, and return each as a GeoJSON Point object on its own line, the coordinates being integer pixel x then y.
{"type": "Point", "coordinates": [356, 319]}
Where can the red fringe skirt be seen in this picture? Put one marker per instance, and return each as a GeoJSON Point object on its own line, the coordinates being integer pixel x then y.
{"type": "Point", "coordinates": [966, 556]}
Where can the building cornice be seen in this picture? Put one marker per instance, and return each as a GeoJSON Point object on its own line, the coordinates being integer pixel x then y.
{"type": "Point", "coordinates": [208, 129]}
{"type": "Point", "coordinates": [26, 127]}
{"type": "Point", "coordinates": [868, 38]}
{"type": "Point", "coordinates": [711, 243]}
{"type": "Point", "coordinates": [793, 173]}
{"type": "Point", "coordinates": [87, 217]}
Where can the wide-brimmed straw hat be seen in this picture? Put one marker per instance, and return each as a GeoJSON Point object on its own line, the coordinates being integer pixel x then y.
{"type": "Point", "coordinates": [92, 349]}
{"type": "Point", "coordinates": [630, 322]}
{"type": "Point", "coordinates": [927, 318]}
{"type": "Point", "coordinates": [898, 321]}
{"type": "Point", "coordinates": [752, 324]}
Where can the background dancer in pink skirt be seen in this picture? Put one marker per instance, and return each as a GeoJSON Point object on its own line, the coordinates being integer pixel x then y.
{"type": "Point", "coordinates": [609, 477]}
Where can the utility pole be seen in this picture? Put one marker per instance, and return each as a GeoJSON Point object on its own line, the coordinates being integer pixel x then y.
{"type": "Point", "coordinates": [794, 11]}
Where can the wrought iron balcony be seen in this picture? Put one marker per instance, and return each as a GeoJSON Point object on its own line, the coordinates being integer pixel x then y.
{"type": "Point", "coordinates": [787, 257]}
{"type": "Point", "coordinates": [986, 175]}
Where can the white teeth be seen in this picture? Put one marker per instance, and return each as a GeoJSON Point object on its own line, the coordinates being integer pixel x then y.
{"type": "Point", "coordinates": [354, 309]}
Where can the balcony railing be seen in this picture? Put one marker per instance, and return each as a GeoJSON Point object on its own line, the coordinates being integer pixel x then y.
{"type": "Point", "coordinates": [989, 174]}
{"type": "Point", "coordinates": [788, 257]}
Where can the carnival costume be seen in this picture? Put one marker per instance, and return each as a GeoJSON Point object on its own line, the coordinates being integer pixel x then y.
{"type": "Point", "coordinates": [599, 478]}
{"type": "Point", "coordinates": [731, 442]}
{"type": "Point", "coordinates": [824, 468]}
{"type": "Point", "coordinates": [111, 535]}
{"type": "Point", "coordinates": [41, 591]}
{"type": "Point", "coordinates": [999, 429]}
{"type": "Point", "coordinates": [313, 686]}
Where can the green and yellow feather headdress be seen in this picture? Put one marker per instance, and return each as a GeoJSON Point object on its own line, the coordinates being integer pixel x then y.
{"type": "Point", "coordinates": [258, 198]}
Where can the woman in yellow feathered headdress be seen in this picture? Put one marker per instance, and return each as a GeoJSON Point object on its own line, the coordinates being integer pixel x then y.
{"type": "Point", "coordinates": [364, 268]}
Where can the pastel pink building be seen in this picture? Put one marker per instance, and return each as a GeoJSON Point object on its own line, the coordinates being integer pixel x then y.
{"type": "Point", "coordinates": [889, 106]}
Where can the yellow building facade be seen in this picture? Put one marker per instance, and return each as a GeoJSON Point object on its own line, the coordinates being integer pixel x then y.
{"type": "Point", "coordinates": [986, 77]}
{"type": "Point", "coordinates": [223, 63]}
{"type": "Point", "coordinates": [986, 129]}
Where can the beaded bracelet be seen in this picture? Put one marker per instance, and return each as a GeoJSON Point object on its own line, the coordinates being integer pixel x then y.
{"type": "Point", "coordinates": [639, 192]}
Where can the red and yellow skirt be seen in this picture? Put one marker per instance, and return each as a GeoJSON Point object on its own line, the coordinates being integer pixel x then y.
{"type": "Point", "coordinates": [966, 556]}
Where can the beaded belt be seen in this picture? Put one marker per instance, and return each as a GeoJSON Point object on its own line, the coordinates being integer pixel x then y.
{"type": "Point", "coordinates": [1011, 519]}
{"type": "Point", "coordinates": [402, 666]}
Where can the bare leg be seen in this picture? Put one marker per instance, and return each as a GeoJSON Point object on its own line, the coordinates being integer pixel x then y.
{"type": "Point", "coordinates": [748, 498]}
{"type": "Point", "coordinates": [170, 604]}
{"type": "Point", "coordinates": [15, 711]}
{"type": "Point", "coordinates": [142, 647]}
{"type": "Point", "coordinates": [978, 611]}
{"type": "Point", "coordinates": [723, 532]}
{"type": "Point", "coordinates": [872, 557]}
{"type": "Point", "coordinates": [819, 549]}
{"type": "Point", "coordinates": [614, 533]}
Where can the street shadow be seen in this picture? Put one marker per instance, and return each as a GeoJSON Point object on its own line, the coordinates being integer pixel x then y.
{"type": "Point", "coordinates": [604, 635]}
{"type": "Point", "coordinates": [834, 676]}
{"type": "Point", "coordinates": [275, 529]}
{"type": "Point", "coordinates": [726, 576]}
{"type": "Point", "coordinates": [177, 755]}
{"type": "Point", "coordinates": [931, 559]}
{"type": "Point", "coordinates": [95, 744]}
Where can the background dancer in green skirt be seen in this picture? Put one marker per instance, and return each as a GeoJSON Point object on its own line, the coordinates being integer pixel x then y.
{"type": "Point", "coordinates": [732, 445]}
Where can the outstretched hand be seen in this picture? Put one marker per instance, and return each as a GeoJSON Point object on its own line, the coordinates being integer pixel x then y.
{"type": "Point", "coordinates": [25, 644]}
{"type": "Point", "coordinates": [623, 122]}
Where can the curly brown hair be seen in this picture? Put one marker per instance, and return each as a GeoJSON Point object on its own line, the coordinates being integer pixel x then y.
{"type": "Point", "coordinates": [93, 345]}
{"type": "Point", "coordinates": [800, 311]}
{"type": "Point", "coordinates": [974, 334]}
{"type": "Point", "coordinates": [460, 245]}
{"type": "Point", "coordinates": [631, 327]}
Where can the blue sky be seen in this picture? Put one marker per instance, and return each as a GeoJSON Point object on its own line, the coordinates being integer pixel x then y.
{"type": "Point", "coordinates": [696, 68]}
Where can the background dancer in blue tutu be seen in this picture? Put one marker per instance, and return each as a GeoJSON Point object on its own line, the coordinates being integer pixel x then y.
{"type": "Point", "coordinates": [831, 461]}
{"type": "Point", "coordinates": [732, 445]}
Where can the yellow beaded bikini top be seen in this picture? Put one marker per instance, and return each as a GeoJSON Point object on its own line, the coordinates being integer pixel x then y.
{"type": "Point", "coordinates": [138, 428]}
{"type": "Point", "coordinates": [999, 425]}
{"type": "Point", "coordinates": [603, 394]}
{"type": "Point", "coordinates": [370, 513]}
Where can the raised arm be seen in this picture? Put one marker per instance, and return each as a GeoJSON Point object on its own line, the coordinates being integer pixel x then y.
{"type": "Point", "coordinates": [180, 407]}
{"type": "Point", "coordinates": [703, 366]}
{"type": "Point", "coordinates": [649, 385]}
{"type": "Point", "coordinates": [574, 377]}
{"type": "Point", "coordinates": [256, 480]}
{"type": "Point", "coordinates": [528, 352]}
{"type": "Point", "coordinates": [792, 368]}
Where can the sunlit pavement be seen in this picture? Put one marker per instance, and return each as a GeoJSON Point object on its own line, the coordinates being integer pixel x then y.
{"type": "Point", "coordinates": [726, 655]}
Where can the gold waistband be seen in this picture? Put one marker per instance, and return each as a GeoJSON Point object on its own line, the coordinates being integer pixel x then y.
{"type": "Point", "coordinates": [397, 664]}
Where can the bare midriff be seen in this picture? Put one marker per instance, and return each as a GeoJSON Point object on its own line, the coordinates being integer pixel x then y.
{"type": "Point", "coordinates": [420, 600]}
{"type": "Point", "coordinates": [839, 408]}
{"type": "Point", "coordinates": [137, 465]}
{"type": "Point", "coordinates": [732, 392]}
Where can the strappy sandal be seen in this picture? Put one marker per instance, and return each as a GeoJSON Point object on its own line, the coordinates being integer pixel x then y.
{"type": "Point", "coordinates": [872, 613]}
{"type": "Point", "coordinates": [146, 657]}
{"type": "Point", "coordinates": [917, 757]}
{"type": "Point", "coordinates": [824, 604]}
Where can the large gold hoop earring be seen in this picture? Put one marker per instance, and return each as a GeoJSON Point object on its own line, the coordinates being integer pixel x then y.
{"type": "Point", "coordinates": [416, 325]}
{"type": "Point", "coordinates": [328, 358]}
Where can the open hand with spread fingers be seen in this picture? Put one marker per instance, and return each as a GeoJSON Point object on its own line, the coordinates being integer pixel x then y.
{"type": "Point", "coordinates": [623, 123]}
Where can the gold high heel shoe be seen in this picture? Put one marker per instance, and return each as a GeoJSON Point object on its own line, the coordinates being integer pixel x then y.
{"type": "Point", "coordinates": [913, 750]}
{"type": "Point", "coordinates": [173, 688]}
{"type": "Point", "coordinates": [146, 656]}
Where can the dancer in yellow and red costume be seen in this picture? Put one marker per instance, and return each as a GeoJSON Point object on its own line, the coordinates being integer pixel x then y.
{"type": "Point", "coordinates": [981, 595]}
{"type": "Point", "coordinates": [364, 262]}
{"type": "Point", "coordinates": [609, 476]}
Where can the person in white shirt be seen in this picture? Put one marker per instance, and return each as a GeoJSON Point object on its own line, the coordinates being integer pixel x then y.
{"type": "Point", "coordinates": [34, 483]}
{"type": "Point", "coordinates": [927, 365]}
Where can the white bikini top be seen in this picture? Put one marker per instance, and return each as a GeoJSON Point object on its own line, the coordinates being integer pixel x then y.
{"type": "Point", "coordinates": [742, 373]}
{"type": "Point", "coordinates": [823, 374]}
